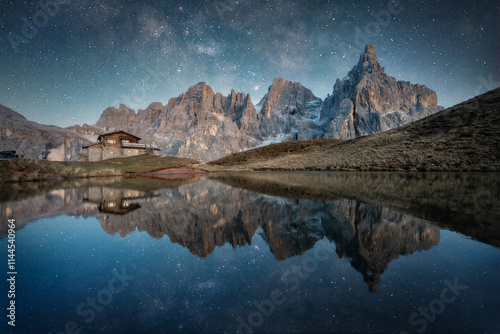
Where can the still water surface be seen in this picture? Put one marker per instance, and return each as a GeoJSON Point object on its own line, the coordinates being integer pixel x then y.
{"type": "Point", "coordinates": [257, 252]}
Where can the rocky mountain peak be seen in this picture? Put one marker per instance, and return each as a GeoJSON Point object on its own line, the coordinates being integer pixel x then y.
{"type": "Point", "coordinates": [111, 115]}
{"type": "Point", "coordinates": [284, 107]}
{"type": "Point", "coordinates": [368, 62]}
{"type": "Point", "coordinates": [280, 82]}
{"type": "Point", "coordinates": [123, 108]}
{"type": "Point", "coordinates": [369, 49]}
{"type": "Point", "coordinates": [249, 100]}
{"type": "Point", "coordinates": [155, 106]}
{"type": "Point", "coordinates": [368, 101]}
{"type": "Point", "coordinates": [280, 85]}
{"type": "Point", "coordinates": [9, 114]}
{"type": "Point", "coordinates": [200, 89]}
{"type": "Point", "coordinates": [236, 104]}
{"type": "Point", "coordinates": [285, 95]}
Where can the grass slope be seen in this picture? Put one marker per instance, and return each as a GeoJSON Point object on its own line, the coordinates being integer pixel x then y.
{"type": "Point", "coordinates": [36, 170]}
{"type": "Point", "coordinates": [465, 137]}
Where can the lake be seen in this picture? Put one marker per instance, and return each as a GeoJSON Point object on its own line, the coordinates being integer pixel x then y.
{"type": "Point", "coordinates": [256, 253]}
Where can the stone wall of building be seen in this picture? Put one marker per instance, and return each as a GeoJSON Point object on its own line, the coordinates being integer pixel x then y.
{"type": "Point", "coordinates": [111, 152]}
{"type": "Point", "coordinates": [129, 152]}
{"type": "Point", "coordinates": [94, 153]}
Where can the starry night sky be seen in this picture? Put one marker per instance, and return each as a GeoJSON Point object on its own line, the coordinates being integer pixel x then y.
{"type": "Point", "coordinates": [92, 54]}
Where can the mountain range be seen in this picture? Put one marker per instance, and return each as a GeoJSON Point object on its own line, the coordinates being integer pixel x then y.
{"type": "Point", "coordinates": [205, 126]}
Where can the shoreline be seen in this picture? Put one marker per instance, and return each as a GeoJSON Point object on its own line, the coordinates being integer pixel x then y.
{"type": "Point", "coordinates": [188, 173]}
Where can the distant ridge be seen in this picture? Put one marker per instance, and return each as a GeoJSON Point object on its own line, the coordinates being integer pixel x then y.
{"type": "Point", "coordinates": [33, 140]}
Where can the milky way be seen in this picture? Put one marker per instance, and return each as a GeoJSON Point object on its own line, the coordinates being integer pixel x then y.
{"type": "Point", "coordinates": [64, 63]}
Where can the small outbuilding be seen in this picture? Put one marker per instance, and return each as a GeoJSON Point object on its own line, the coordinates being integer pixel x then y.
{"type": "Point", "coordinates": [8, 155]}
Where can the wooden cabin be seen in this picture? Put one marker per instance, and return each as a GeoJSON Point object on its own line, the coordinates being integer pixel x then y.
{"type": "Point", "coordinates": [118, 144]}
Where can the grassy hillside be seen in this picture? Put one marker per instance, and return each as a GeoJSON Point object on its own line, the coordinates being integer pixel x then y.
{"type": "Point", "coordinates": [465, 137]}
{"type": "Point", "coordinates": [280, 150]}
{"type": "Point", "coordinates": [36, 170]}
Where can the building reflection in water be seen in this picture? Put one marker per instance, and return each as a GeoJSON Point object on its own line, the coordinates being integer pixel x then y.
{"type": "Point", "coordinates": [118, 201]}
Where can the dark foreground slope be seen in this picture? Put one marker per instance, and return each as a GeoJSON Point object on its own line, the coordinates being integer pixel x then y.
{"type": "Point", "coordinates": [465, 137]}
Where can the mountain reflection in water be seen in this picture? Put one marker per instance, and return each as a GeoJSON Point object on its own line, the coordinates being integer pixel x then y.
{"type": "Point", "coordinates": [203, 213]}
{"type": "Point", "coordinates": [384, 231]}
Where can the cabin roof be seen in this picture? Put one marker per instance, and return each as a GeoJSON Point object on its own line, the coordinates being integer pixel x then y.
{"type": "Point", "coordinates": [91, 144]}
{"type": "Point", "coordinates": [115, 132]}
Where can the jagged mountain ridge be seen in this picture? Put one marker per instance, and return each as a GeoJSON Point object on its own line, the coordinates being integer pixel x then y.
{"type": "Point", "coordinates": [204, 125]}
{"type": "Point", "coordinates": [199, 123]}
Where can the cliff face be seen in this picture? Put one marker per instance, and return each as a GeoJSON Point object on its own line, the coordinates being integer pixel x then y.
{"type": "Point", "coordinates": [32, 139]}
{"type": "Point", "coordinates": [368, 101]}
{"type": "Point", "coordinates": [203, 125]}
{"type": "Point", "coordinates": [285, 108]}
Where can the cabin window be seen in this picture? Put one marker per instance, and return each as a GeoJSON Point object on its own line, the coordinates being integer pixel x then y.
{"type": "Point", "coordinates": [111, 152]}
{"type": "Point", "coordinates": [111, 141]}
{"type": "Point", "coordinates": [111, 205]}
{"type": "Point", "coordinates": [126, 141]}
{"type": "Point", "coordinates": [129, 151]}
